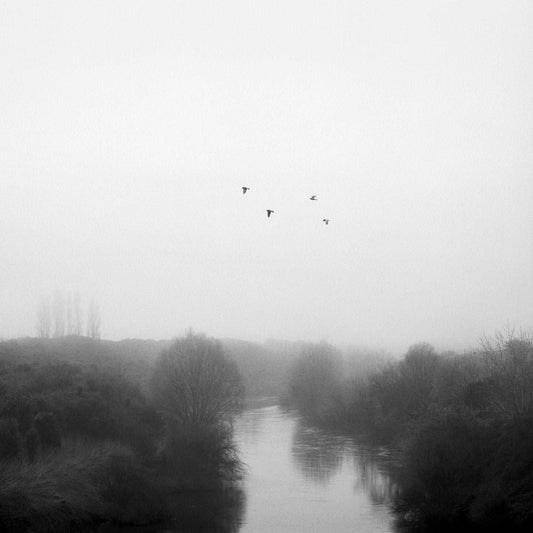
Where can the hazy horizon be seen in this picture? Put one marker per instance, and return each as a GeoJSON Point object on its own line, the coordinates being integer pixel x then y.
{"type": "Point", "coordinates": [129, 128]}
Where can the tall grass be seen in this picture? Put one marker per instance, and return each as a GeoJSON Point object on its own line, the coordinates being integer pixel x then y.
{"type": "Point", "coordinates": [56, 490]}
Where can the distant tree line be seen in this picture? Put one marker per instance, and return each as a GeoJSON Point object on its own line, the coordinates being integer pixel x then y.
{"type": "Point", "coordinates": [61, 314]}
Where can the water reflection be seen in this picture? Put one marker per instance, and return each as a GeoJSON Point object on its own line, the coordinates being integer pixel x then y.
{"type": "Point", "coordinates": [302, 479]}
{"type": "Point", "coordinates": [371, 475]}
{"type": "Point", "coordinates": [318, 455]}
{"type": "Point", "coordinates": [299, 479]}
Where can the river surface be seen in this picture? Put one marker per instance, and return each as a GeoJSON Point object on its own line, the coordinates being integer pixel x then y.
{"type": "Point", "coordinates": [301, 479]}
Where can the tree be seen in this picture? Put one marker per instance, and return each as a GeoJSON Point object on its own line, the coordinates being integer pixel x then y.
{"type": "Point", "coordinates": [69, 315]}
{"type": "Point", "coordinates": [59, 314]}
{"type": "Point", "coordinates": [78, 322]}
{"type": "Point", "coordinates": [418, 372]}
{"type": "Point", "coordinates": [195, 384]}
{"type": "Point", "coordinates": [44, 318]}
{"type": "Point", "coordinates": [508, 361]}
{"type": "Point", "coordinates": [93, 320]}
{"type": "Point", "coordinates": [315, 380]}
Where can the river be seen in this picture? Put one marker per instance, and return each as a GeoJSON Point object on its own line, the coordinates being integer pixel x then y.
{"type": "Point", "coordinates": [301, 479]}
{"type": "Point", "coordinates": [298, 479]}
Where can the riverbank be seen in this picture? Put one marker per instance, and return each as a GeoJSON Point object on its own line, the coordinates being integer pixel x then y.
{"type": "Point", "coordinates": [463, 426]}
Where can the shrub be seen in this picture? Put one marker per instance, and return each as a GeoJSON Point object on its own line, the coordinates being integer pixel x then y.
{"type": "Point", "coordinates": [48, 430]}
{"type": "Point", "coordinates": [129, 491]}
{"type": "Point", "coordinates": [10, 441]}
{"type": "Point", "coordinates": [201, 456]}
{"type": "Point", "coordinates": [445, 462]}
{"type": "Point", "coordinates": [32, 444]}
{"type": "Point", "coordinates": [54, 492]}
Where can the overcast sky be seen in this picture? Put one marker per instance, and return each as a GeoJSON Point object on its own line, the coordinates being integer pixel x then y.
{"type": "Point", "coordinates": [127, 129]}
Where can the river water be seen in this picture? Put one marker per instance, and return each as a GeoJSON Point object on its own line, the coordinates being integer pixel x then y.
{"type": "Point", "coordinates": [301, 479]}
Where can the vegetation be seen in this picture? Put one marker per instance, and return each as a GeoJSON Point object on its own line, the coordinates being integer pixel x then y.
{"type": "Point", "coordinates": [198, 391]}
{"type": "Point", "coordinates": [463, 426]}
{"type": "Point", "coordinates": [195, 384]}
{"type": "Point", "coordinates": [84, 442]}
{"type": "Point", "coordinates": [140, 432]}
{"type": "Point", "coordinates": [314, 381]}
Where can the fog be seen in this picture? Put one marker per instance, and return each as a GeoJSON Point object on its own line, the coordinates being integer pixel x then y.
{"type": "Point", "coordinates": [128, 129]}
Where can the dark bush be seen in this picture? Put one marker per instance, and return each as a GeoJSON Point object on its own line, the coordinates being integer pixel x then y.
{"type": "Point", "coordinates": [201, 456]}
{"type": "Point", "coordinates": [47, 427]}
{"type": "Point", "coordinates": [10, 441]}
{"type": "Point", "coordinates": [446, 460]}
{"type": "Point", "coordinates": [32, 444]}
{"type": "Point", "coordinates": [129, 491]}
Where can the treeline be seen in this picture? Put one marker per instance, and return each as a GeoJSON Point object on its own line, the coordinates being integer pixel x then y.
{"type": "Point", "coordinates": [82, 442]}
{"type": "Point", "coordinates": [61, 314]}
{"type": "Point", "coordinates": [463, 425]}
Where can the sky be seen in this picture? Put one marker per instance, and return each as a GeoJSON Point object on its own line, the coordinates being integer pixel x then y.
{"type": "Point", "coordinates": [128, 128]}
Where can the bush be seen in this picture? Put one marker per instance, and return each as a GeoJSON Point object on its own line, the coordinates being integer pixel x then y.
{"type": "Point", "coordinates": [445, 463]}
{"type": "Point", "coordinates": [10, 441]}
{"type": "Point", "coordinates": [507, 492]}
{"type": "Point", "coordinates": [129, 491]}
{"type": "Point", "coordinates": [54, 492]}
{"type": "Point", "coordinates": [48, 429]}
{"type": "Point", "coordinates": [32, 444]}
{"type": "Point", "coordinates": [201, 456]}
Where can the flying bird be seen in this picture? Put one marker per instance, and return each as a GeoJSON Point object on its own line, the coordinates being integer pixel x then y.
{"type": "Point", "coordinates": [269, 212]}
{"type": "Point", "coordinates": [313, 197]}
{"type": "Point", "coordinates": [244, 189]}
{"type": "Point", "coordinates": [326, 221]}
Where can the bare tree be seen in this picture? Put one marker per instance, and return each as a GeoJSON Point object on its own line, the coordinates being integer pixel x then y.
{"type": "Point", "coordinates": [93, 320]}
{"type": "Point", "coordinates": [59, 314]}
{"type": "Point", "coordinates": [44, 318]}
{"type": "Point", "coordinates": [195, 384]}
{"type": "Point", "coordinates": [77, 319]}
{"type": "Point", "coordinates": [69, 315]}
{"type": "Point", "coordinates": [508, 361]}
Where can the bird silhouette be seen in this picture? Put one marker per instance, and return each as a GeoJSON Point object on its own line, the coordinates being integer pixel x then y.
{"type": "Point", "coordinates": [269, 212]}
{"type": "Point", "coordinates": [326, 221]}
{"type": "Point", "coordinates": [313, 197]}
{"type": "Point", "coordinates": [244, 189]}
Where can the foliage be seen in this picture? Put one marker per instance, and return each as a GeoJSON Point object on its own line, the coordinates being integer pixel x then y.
{"type": "Point", "coordinates": [32, 444]}
{"type": "Point", "coordinates": [315, 381]}
{"type": "Point", "coordinates": [47, 428]}
{"type": "Point", "coordinates": [10, 441]}
{"type": "Point", "coordinates": [463, 425]}
{"type": "Point", "coordinates": [81, 443]}
{"type": "Point", "coordinates": [54, 492]}
{"type": "Point", "coordinates": [201, 455]}
{"type": "Point", "coordinates": [59, 398]}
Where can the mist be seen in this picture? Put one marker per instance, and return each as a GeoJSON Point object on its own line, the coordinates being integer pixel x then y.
{"type": "Point", "coordinates": [129, 128]}
{"type": "Point", "coordinates": [266, 266]}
